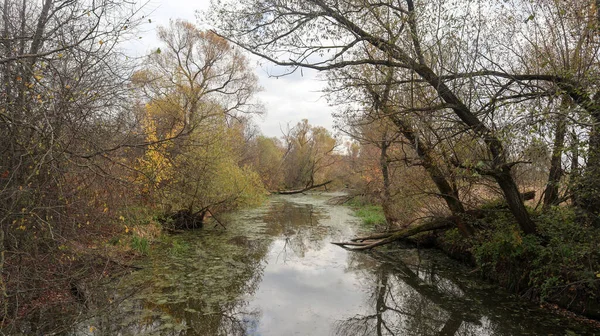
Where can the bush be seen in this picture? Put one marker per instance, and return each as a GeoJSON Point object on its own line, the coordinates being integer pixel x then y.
{"type": "Point", "coordinates": [563, 261]}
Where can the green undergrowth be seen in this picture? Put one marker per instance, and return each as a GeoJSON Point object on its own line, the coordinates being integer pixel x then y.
{"type": "Point", "coordinates": [560, 265]}
{"type": "Point", "coordinates": [370, 214]}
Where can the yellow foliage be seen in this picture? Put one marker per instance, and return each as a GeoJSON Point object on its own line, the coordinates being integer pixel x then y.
{"type": "Point", "coordinates": [155, 165]}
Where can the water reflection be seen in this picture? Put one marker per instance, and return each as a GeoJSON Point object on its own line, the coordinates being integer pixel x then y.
{"type": "Point", "coordinates": [412, 293]}
{"type": "Point", "coordinates": [273, 272]}
{"type": "Point", "coordinates": [200, 291]}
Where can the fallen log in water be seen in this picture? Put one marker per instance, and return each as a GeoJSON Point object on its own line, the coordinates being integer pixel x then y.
{"type": "Point", "coordinates": [378, 239]}
{"type": "Point", "coordinates": [299, 191]}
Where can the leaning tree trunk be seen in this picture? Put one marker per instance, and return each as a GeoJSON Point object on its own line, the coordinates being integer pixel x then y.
{"type": "Point", "coordinates": [503, 175]}
{"type": "Point", "coordinates": [448, 194]}
{"type": "Point", "coordinates": [424, 152]}
{"type": "Point", "coordinates": [514, 200]}
{"type": "Point", "coordinates": [556, 172]}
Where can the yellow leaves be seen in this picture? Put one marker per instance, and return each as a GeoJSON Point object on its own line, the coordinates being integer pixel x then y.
{"type": "Point", "coordinates": [101, 42]}
{"type": "Point", "coordinates": [92, 328]}
{"type": "Point", "coordinates": [22, 227]}
{"type": "Point", "coordinates": [122, 218]}
{"type": "Point", "coordinates": [156, 163]}
{"type": "Point", "coordinates": [126, 229]}
{"type": "Point", "coordinates": [105, 210]}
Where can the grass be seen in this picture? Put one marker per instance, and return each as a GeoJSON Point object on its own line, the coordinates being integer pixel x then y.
{"type": "Point", "coordinates": [370, 214]}
{"type": "Point", "coordinates": [140, 245]}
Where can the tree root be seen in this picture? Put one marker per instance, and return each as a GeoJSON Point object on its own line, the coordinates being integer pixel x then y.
{"type": "Point", "coordinates": [369, 242]}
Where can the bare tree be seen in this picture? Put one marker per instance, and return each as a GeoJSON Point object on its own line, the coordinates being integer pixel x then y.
{"type": "Point", "coordinates": [326, 35]}
{"type": "Point", "coordinates": [64, 97]}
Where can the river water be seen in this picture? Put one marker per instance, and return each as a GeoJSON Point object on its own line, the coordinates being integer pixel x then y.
{"type": "Point", "coordinates": [274, 272]}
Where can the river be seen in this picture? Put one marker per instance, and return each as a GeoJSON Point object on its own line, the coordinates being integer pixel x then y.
{"type": "Point", "coordinates": [273, 271]}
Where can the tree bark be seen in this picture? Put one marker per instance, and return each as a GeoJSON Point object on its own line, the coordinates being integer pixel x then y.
{"type": "Point", "coordinates": [515, 201]}
{"type": "Point", "coordinates": [386, 196]}
{"type": "Point", "coordinates": [574, 170]}
{"type": "Point", "coordinates": [552, 191]}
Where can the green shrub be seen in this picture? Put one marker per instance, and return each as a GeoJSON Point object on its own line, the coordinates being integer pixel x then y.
{"type": "Point", "coordinates": [140, 245]}
{"type": "Point", "coordinates": [564, 256]}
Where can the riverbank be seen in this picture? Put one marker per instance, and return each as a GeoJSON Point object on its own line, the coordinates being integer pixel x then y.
{"type": "Point", "coordinates": [558, 268]}
{"type": "Point", "coordinates": [273, 271]}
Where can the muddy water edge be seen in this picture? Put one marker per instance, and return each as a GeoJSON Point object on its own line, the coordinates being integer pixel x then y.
{"type": "Point", "coordinates": [273, 271]}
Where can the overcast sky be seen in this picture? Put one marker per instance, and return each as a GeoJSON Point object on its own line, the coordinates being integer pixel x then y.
{"type": "Point", "coordinates": [286, 99]}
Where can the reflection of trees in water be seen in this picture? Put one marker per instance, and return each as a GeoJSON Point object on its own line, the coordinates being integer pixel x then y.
{"type": "Point", "coordinates": [397, 309]}
{"type": "Point", "coordinates": [422, 299]}
{"type": "Point", "coordinates": [202, 293]}
{"type": "Point", "coordinates": [298, 224]}
{"type": "Point", "coordinates": [205, 291]}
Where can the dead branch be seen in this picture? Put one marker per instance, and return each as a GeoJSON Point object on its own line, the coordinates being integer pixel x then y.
{"type": "Point", "coordinates": [216, 219]}
{"type": "Point", "coordinates": [366, 243]}
{"type": "Point", "coordinates": [299, 191]}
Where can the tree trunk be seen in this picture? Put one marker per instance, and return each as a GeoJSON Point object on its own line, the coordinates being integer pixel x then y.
{"type": "Point", "coordinates": [556, 172]}
{"type": "Point", "coordinates": [386, 197]}
{"type": "Point", "coordinates": [515, 201]}
{"type": "Point", "coordinates": [574, 171]}
{"type": "Point", "coordinates": [448, 194]}
{"type": "Point", "coordinates": [588, 187]}
{"type": "Point", "coordinates": [503, 175]}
